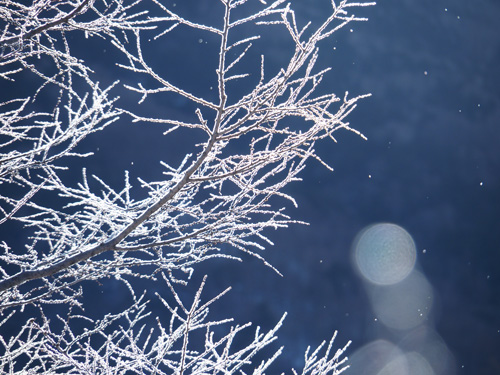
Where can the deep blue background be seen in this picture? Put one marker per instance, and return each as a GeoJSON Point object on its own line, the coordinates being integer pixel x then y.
{"type": "Point", "coordinates": [431, 165]}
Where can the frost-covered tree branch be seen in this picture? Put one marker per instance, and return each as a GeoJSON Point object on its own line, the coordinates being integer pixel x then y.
{"type": "Point", "coordinates": [218, 202]}
{"type": "Point", "coordinates": [123, 342]}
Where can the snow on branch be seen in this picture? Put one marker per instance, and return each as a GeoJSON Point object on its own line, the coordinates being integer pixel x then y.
{"type": "Point", "coordinates": [219, 202]}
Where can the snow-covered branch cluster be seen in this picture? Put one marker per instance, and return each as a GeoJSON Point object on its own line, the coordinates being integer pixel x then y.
{"type": "Point", "coordinates": [124, 343]}
{"type": "Point", "coordinates": [220, 200]}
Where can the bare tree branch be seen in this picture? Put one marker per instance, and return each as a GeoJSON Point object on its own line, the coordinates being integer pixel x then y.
{"type": "Point", "coordinates": [220, 201]}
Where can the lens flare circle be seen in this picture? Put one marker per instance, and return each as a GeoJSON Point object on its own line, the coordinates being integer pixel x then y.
{"type": "Point", "coordinates": [384, 253]}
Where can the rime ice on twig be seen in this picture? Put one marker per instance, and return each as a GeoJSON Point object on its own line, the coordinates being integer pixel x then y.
{"type": "Point", "coordinates": [220, 199]}
{"type": "Point", "coordinates": [125, 342]}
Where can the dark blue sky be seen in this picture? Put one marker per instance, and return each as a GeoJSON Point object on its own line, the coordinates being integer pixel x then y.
{"type": "Point", "coordinates": [433, 156]}
{"type": "Point", "coordinates": [431, 165]}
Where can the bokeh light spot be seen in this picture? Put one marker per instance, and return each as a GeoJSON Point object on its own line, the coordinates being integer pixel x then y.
{"type": "Point", "coordinates": [404, 305]}
{"type": "Point", "coordinates": [384, 253]}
